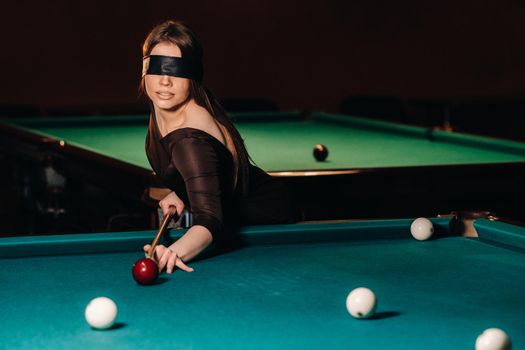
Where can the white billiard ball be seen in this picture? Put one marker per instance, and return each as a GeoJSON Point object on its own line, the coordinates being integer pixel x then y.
{"type": "Point", "coordinates": [493, 339]}
{"type": "Point", "coordinates": [101, 313]}
{"type": "Point", "coordinates": [421, 229]}
{"type": "Point", "coordinates": [361, 303]}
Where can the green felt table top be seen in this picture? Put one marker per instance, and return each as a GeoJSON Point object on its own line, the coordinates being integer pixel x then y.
{"type": "Point", "coordinates": [285, 289]}
{"type": "Point", "coordinates": [284, 141]}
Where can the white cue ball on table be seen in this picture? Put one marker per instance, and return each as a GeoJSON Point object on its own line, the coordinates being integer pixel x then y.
{"type": "Point", "coordinates": [101, 313]}
{"type": "Point", "coordinates": [493, 339]}
{"type": "Point", "coordinates": [422, 229]}
{"type": "Point", "coordinates": [361, 303]}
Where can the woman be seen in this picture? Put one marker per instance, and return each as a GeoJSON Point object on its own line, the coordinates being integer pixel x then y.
{"type": "Point", "coordinates": [198, 153]}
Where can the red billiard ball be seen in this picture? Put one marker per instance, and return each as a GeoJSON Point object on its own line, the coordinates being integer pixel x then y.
{"type": "Point", "coordinates": [320, 152]}
{"type": "Point", "coordinates": [145, 271]}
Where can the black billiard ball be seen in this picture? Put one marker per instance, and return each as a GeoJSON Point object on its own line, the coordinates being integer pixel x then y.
{"type": "Point", "coordinates": [320, 152]}
{"type": "Point", "coordinates": [145, 271]}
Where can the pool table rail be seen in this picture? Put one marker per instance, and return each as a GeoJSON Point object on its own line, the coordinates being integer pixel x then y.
{"type": "Point", "coordinates": [300, 233]}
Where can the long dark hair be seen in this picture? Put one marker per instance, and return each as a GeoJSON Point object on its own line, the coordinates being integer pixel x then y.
{"type": "Point", "coordinates": [181, 35]}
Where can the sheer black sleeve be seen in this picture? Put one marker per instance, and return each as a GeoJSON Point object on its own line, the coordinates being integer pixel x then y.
{"type": "Point", "coordinates": [198, 162]}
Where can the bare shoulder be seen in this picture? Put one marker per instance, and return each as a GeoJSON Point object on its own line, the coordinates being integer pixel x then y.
{"type": "Point", "coordinates": [199, 118]}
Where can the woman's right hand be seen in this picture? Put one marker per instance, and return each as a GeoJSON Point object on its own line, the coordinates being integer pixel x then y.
{"type": "Point", "coordinates": [171, 200]}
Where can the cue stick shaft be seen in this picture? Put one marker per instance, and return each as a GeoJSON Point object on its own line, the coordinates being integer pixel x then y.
{"type": "Point", "coordinates": [171, 213]}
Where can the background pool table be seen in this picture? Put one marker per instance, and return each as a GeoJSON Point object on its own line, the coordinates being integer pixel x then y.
{"type": "Point", "coordinates": [374, 169]}
{"type": "Point", "coordinates": [284, 288]}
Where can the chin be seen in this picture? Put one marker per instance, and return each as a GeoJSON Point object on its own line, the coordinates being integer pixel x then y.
{"type": "Point", "coordinates": [167, 105]}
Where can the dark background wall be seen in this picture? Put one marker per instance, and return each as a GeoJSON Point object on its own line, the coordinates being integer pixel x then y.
{"type": "Point", "coordinates": [302, 54]}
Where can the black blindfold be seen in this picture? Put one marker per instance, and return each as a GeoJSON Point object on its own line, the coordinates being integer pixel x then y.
{"type": "Point", "coordinates": [172, 66]}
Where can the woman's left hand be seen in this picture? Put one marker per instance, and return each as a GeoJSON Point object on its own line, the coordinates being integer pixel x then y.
{"type": "Point", "coordinates": [167, 258]}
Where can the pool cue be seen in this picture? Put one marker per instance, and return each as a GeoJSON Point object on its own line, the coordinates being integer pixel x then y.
{"type": "Point", "coordinates": [171, 214]}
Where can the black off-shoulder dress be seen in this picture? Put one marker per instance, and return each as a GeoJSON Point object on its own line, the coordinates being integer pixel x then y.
{"type": "Point", "coordinates": [200, 170]}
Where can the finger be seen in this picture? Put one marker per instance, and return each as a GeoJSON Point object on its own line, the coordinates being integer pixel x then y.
{"type": "Point", "coordinates": [165, 209]}
{"type": "Point", "coordinates": [147, 248]}
{"type": "Point", "coordinates": [181, 265]}
{"type": "Point", "coordinates": [180, 208]}
{"type": "Point", "coordinates": [171, 263]}
{"type": "Point", "coordinates": [159, 251]}
{"type": "Point", "coordinates": [164, 259]}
